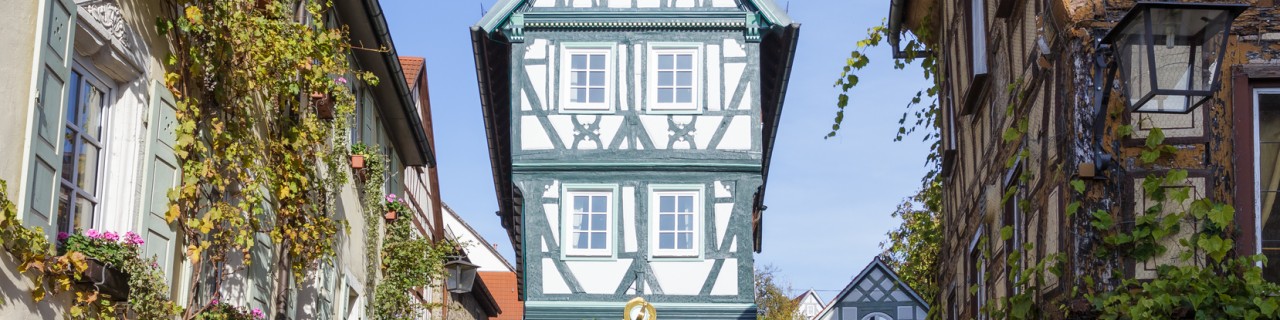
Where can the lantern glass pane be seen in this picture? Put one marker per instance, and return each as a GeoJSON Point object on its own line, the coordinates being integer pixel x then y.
{"type": "Point", "coordinates": [1131, 54]}
{"type": "Point", "coordinates": [1186, 44]}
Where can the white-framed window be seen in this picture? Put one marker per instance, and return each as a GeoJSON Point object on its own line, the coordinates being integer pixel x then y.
{"type": "Point", "coordinates": [1266, 176]}
{"type": "Point", "coordinates": [586, 78]}
{"type": "Point", "coordinates": [588, 222]}
{"type": "Point", "coordinates": [82, 148]}
{"type": "Point", "coordinates": [675, 215]}
{"type": "Point", "coordinates": [674, 78]}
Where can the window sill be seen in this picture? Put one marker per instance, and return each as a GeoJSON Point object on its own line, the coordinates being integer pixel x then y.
{"type": "Point", "coordinates": [564, 110]}
{"type": "Point", "coordinates": [581, 257]}
{"type": "Point", "coordinates": [976, 85]}
{"type": "Point", "coordinates": [673, 111]}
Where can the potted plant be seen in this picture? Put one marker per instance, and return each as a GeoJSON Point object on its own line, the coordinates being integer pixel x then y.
{"type": "Point", "coordinates": [107, 254]}
{"type": "Point", "coordinates": [323, 103]}
{"type": "Point", "coordinates": [394, 206]}
{"type": "Point", "coordinates": [222, 311]}
{"type": "Point", "coordinates": [358, 153]}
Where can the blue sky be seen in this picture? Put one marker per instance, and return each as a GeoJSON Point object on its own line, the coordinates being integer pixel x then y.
{"type": "Point", "coordinates": [829, 199]}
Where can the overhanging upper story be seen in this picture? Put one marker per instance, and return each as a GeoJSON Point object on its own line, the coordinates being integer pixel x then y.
{"type": "Point", "coordinates": [641, 85]}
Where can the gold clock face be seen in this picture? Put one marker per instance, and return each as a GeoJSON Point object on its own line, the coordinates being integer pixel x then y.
{"type": "Point", "coordinates": [638, 309]}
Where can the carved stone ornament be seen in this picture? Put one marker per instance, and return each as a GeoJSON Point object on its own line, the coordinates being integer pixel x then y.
{"type": "Point", "coordinates": [103, 35]}
{"type": "Point", "coordinates": [108, 15]}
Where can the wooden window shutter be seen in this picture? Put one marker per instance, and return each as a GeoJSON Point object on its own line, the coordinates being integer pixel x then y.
{"type": "Point", "coordinates": [162, 174]}
{"type": "Point", "coordinates": [45, 156]}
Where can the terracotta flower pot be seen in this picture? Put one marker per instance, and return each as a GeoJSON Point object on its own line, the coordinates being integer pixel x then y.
{"type": "Point", "coordinates": [108, 279]}
{"type": "Point", "coordinates": [390, 215]}
{"type": "Point", "coordinates": [323, 104]}
{"type": "Point", "coordinates": [357, 161]}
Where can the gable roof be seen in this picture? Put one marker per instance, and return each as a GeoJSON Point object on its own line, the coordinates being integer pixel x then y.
{"type": "Point", "coordinates": [800, 298]}
{"type": "Point", "coordinates": [489, 252]}
{"type": "Point", "coordinates": [869, 286]}
{"type": "Point", "coordinates": [412, 67]}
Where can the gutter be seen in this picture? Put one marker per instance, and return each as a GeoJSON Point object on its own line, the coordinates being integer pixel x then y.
{"type": "Point", "coordinates": [392, 60]}
{"type": "Point", "coordinates": [896, 9]}
{"type": "Point", "coordinates": [793, 31]}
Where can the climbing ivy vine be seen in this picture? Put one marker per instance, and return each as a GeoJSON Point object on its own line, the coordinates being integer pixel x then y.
{"type": "Point", "coordinates": [257, 158]}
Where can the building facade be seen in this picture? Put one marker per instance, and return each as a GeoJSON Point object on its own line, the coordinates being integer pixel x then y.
{"type": "Point", "coordinates": [1031, 65]}
{"type": "Point", "coordinates": [630, 143]}
{"type": "Point", "coordinates": [87, 144]}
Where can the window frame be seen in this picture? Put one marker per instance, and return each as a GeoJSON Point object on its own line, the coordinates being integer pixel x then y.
{"type": "Point", "coordinates": [977, 275]}
{"type": "Point", "coordinates": [87, 75]}
{"type": "Point", "coordinates": [1255, 93]}
{"type": "Point", "coordinates": [656, 49]}
{"type": "Point", "coordinates": [564, 79]}
{"type": "Point", "coordinates": [609, 252]}
{"type": "Point", "coordinates": [698, 192]}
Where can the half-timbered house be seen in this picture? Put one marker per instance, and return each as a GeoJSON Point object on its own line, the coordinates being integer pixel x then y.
{"type": "Point", "coordinates": [630, 143]}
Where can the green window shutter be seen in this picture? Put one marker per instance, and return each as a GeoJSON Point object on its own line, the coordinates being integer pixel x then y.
{"type": "Point", "coordinates": [260, 273]}
{"type": "Point", "coordinates": [45, 158]}
{"type": "Point", "coordinates": [162, 174]}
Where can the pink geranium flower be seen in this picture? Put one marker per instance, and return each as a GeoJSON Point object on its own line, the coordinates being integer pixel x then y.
{"type": "Point", "coordinates": [391, 197]}
{"type": "Point", "coordinates": [93, 234]}
{"type": "Point", "coordinates": [62, 236]}
{"type": "Point", "coordinates": [342, 80]}
{"type": "Point", "coordinates": [258, 314]}
{"type": "Point", "coordinates": [110, 236]}
{"type": "Point", "coordinates": [133, 239]}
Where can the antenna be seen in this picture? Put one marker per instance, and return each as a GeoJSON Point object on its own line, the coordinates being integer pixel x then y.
{"type": "Point", "coordinates": [788, 7]}
{"type": "Point", "coordinates": [481, 4]}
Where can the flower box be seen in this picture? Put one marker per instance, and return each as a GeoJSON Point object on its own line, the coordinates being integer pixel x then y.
{"type": "Point", "coordinates": [390, 215]}
{"type": "Point", "coordinates": [323, 104]}
{"type": "Point", "coordinates": [108, 279]}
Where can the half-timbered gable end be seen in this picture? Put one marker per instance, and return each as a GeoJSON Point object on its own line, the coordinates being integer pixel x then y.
{"type": "Point", "coordinates": [876, 294]}
{"type": "Point", "coordinates": [630, 144]}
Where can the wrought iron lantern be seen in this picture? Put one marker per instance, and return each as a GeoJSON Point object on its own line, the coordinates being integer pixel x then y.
{"type": "Point", "coordinates": [462, 275]}
{"type": "Point", "coordinates": [1170, 54]}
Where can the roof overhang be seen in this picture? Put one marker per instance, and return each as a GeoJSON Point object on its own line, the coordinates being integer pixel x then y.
{"type": "Point", "coordinates": [368, 30]}
{"type": "Point", "coordinates": [905, 15]}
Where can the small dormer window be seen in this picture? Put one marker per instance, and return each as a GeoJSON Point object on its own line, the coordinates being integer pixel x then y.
{"type": "Point", "coordinates": [674, 78]}
{"type": "Point", "coordinates": [586, 78]}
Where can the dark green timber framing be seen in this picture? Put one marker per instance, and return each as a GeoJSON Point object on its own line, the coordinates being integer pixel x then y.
{"type": "Point", "coordinates": [720, 151]}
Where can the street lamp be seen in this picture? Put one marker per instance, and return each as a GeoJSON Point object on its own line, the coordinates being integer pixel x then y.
{"type": "Point", "coordinates": [462, 275]}
{"type": "Point", "coordinates": [1170, 54]}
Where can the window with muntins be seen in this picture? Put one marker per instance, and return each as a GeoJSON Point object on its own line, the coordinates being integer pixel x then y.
{"type": "Point", "coordinates": [677, 216]}
{"type": "Point", "coordinates": [673, 79]}
{"type": "Point", "coordinates": [586, 80]}
{"type": "Point", "coordinates": [81, 151]}
{"type": "Point", "coordinates": [590, 223]}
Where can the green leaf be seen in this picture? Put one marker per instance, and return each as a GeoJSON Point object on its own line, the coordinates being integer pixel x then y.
{"type": "Point", "coordinates": [1155, 138]}
{"type": "Point", "coordinates": [1102, 220]}
{"type": "Point", "coordinates": [1072, 208]}
{"type": "Point", "coordinates": [1077, 185]}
